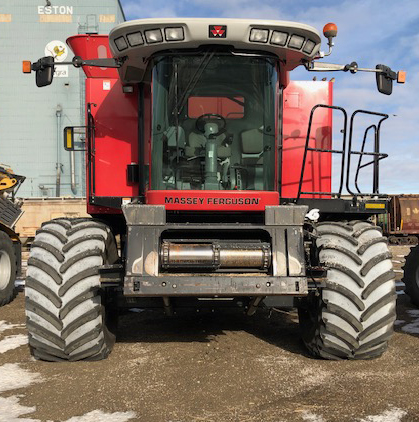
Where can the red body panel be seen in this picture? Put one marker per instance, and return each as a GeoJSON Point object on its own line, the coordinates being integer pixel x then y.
{"type": "Point", "coordinates": [116, 136]}
{"type": "Point", "coordinates": [299, 99]}
{"type": "Point", "coordinates": [93, 47]}
{"type": "Point", "coordinates": [213, 200]}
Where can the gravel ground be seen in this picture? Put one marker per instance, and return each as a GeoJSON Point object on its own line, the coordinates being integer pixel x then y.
{"type": "Point", "coordinates": [211, 368]}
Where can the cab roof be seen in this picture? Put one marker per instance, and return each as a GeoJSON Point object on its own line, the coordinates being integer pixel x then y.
{"type": "Point", "coordinates": [136, 41]}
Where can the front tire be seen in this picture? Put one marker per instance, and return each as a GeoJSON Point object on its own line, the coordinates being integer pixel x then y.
{"type": "Point", "coordinates": [352, 316]}
{"type": "Point", "coordinates": [66, 311]}
{"type": "Point", "coordinates": [7, 269]}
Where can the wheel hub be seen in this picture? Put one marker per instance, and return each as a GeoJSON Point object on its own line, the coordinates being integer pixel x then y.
{"type": "Point", "coordinates": [5, 269]}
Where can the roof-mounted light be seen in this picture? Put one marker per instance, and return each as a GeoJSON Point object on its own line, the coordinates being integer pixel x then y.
{"type": "Point", "coordinates": [330, 30]}
{"type": "Point", "coordinates": [153, 35]}
{"type": "Point", "coordinates": [296, 41]}
{"type": "Point", "coordinates": [174, 34]}
{"type": "Point", "coordinates": [121, 44]}
{"type": "Point", "coordinates": [135, 39]}
{"type": "Point", "coordinates": [279, 38]}
{"type": "Point", "coordinates": [309, 47]}
{"type": "Point", "coordinates": [259, 35]}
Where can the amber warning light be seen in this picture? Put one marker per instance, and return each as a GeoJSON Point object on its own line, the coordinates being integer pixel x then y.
{"type": "Point", "coordinates": [26, 66]}
{"type": "Point", "coordinates": [330, 30]}
{"type": "Point", "coordinates": [401, 76]}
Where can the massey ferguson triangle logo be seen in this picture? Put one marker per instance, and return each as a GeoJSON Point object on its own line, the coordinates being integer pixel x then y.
{"type": "Point", "coordinates": [218, 31]}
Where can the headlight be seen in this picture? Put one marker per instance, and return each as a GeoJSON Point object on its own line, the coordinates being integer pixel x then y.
{"type": "Point", "coordinates": [135, 39]}
{"type": "Point", "coordinates": [296, 42]}
{"type": "Point", "coordinates": [174, 34]}
{"type": "Point", "coordinates": [309, 47]}
{"type": "Point", "coordinates": [279, 38]}
{"type": "Point", "coordinates": [259, 35]}
{"type": "Point", "coordinates": [121, 44]}
{"type": "Point", "coordinates": [153, 36]}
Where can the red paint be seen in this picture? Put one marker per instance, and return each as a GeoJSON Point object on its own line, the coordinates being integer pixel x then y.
{"type": "Point", "coordinates": [96, 210]}
{"type": "Point", "coordinates": [212, 200]}
{"type": "Point", "coordinates": [226, 107]}
{"type": "Point", "coordinates": [93, 47]}
{"type": "Point", "coordinates": [116, 140]}
{"type": "Point", "coordinates": [299, 99]}
{"type": "Point", "coordinates": [218, 31]}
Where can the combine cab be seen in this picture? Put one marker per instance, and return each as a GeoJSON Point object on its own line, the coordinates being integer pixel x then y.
{"type": "Point", "coordinates": [10, 246]}
{"type": "Point", "coordinates": [215, 172]}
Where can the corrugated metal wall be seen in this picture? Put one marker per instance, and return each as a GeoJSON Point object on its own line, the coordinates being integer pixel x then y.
{"type": "Point", "coordinates": [31, 122]}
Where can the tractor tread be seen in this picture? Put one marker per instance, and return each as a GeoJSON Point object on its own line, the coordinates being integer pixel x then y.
{"type": "Point", "coordinates": [74, 326]}
{"type": "Point", "coordinates": [353, 316]}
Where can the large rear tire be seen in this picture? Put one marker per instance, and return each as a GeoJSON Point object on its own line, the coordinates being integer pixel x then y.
{"type": "Point", "coordinates": [7, 269]}
{"type": "Point", "coordinates": [411, 275]}
{"type": "Point", "coordinates": [67, 316]}
{"type": "Point", "coordinates": [352, 316]}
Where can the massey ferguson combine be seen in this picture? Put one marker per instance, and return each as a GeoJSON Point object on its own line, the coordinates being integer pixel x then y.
{"type": "Point", "coordinates": [214, 170]}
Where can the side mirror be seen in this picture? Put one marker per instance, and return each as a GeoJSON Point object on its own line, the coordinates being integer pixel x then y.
{"type": "Point", "coordinates": [69, 138]}
{"type": "Point", "coordinates": [44, 69]}
{"type": "Point", "coordinates": [69, 143]}
{"type": "Point", "coordinates": [385, 79]}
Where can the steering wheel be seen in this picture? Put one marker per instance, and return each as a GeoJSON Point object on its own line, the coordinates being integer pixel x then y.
{"type": "Point", "coordinates": [207, 117]}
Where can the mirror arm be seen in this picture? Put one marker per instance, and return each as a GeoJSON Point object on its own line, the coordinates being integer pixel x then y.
{"type": "Point", "coordinates": [111, 63]}
{"type": "Point", "coordinates": [78, 62]}
{"type": "Point", "coordinates": [352, 67]}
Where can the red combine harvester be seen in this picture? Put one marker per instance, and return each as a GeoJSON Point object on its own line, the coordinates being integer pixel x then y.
{"type": "Point", "coordinates": [215, 172]}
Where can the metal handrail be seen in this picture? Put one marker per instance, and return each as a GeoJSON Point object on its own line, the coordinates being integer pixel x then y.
{"type": "Point", "coordinates": [91, 150]}
{"type": "Point", "coordinates": [332, 151]}
{"type": "Point", "coordinates": [347, 153]}
{"type": "Point", "coordinates": [376, 153]}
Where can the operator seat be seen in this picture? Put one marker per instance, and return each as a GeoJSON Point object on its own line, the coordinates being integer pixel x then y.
{"type": "Point", "coordinates": [252, 159]}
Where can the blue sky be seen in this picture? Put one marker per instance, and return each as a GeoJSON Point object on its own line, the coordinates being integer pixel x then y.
{"type": "Point", "coordinates": [370, 32]}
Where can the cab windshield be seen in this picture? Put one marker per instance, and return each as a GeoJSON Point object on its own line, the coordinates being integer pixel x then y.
{"type": "Point", "coordinates": [213, 125]}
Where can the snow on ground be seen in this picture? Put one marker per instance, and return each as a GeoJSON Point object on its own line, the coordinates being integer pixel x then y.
{"type": "Point", "coordinates": [11, 410]}
{"type": "Point", "coordinates": [312, 417]}
{"type": "Point", "coordinates": [98, 415]}
{"type": "Point", "coordinates": [392, 415]}
{"type": "Point", "coordinates": [13, 342]}
{"type": "Point", "coordinates": [6, 326]}
{"type": "Point", "coordinates": [12, 376]}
